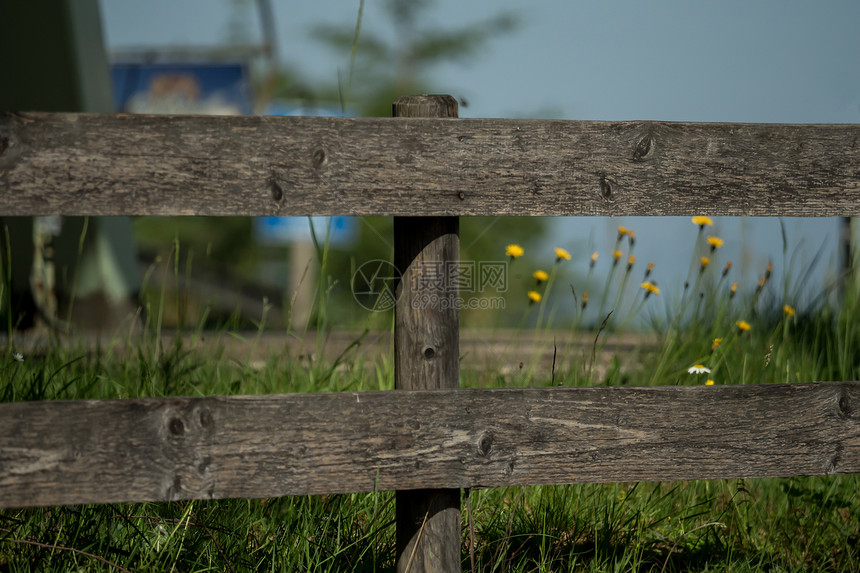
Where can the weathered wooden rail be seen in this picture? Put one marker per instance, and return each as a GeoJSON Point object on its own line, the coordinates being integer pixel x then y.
{"type": "Point", "coordinates": [79, 164]}
{"type": "Point", "coordinates": [425, 172]}
{"type": "Point", "coordinates": [107, 451]}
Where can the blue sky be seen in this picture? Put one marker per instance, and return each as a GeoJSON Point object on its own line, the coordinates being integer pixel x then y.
{"type": "Point", "coordinates": [673, 60]}
{"type": "Point", "coordinates": [764, 61]}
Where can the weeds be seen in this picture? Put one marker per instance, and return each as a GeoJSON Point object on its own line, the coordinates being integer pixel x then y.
{"type": "Point", "coordinates": [716, 334]}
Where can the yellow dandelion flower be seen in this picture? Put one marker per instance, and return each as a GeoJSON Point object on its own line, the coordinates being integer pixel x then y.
{"type": "Point", "coordinates": [716, 343]}
{"type": "Point", "coordinates": [650, 288]}
{"type": "Point", "coordinates": [616, 255]}
{"type": "Point", "coordinates": [622, 231]}
{"type": "Point", "coordinates": [631, 236]}
{"type": "Point", "coordinates": [630, 260]}
{"type": "Point", "coordinates": [709, 382]}
{"type": "Point", "coordinates": [514, 251]}
{"type": "Point", "coordinates": [534, 296]}
{"type": "Point", "coordinates": [702, 221]}
{"type": "Point", "coordinates": [788, 310]}
{"type": "Point", "coordinates": [743, 325]}
{"type": "Point", "coordinates": [734, 290]}
{"type": "Point", "coordinates": [715, 242]}
{"type": "Point", "coordinates": [727, 268]}
{"type": "Point", "coordinates": [561, 254]}
{"type": "Point", "coordinates": [594, 256]}
{"type": "Point", "coordinates": [584, 299]}
{"type": "Point", "coordinates": [705, 261]}
{"type": "Point", "coordinates": [540, 276]}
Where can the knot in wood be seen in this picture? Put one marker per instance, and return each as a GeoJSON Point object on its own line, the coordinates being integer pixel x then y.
{"type": "Point", "coordinates": [643, 148]}
{"type": "Point", "coordinates": [834, 460]}
{"type": "Point", "coordinates": [844, 405]}
{"type": "Point", "coordinates": [319, 158]}
{"type": "Point", "coordinates": [429, 352]}
{"type": "Point", "coordinates": [176, 427]}
{"type": "Point", "coordinates": [204, 416]}
{"type": "Point", "coordinates": [606, 189]}
{"type": "Point", "coordinates": [277, 192]}
{"type": "Point", "coordinates": [485, 444]}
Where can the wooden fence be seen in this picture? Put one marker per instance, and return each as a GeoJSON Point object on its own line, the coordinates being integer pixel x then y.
{"type": "Point", "coordinates": [429, 439]}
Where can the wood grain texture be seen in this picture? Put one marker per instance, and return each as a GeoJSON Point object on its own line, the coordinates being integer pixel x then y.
{"type": "Point", "coordinates": [427, 357]}
{"type": "Point", "coordinates": [73, 452]}
{"type": "Point", "coordinates": [79, 164]}
{"type": "Point", "coordinates": [426, 315]}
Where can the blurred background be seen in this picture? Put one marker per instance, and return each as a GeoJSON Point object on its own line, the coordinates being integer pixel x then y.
{"type": "Point", "coordinates": [782, 62]}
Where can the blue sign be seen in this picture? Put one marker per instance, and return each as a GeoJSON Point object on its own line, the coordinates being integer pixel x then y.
{"type": "Point", "coordinates": [285, 230]}
{"type": "Point", "coordinates": [205, 88]}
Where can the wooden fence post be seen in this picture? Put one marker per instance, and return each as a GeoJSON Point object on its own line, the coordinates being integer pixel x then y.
{"type": "Point", "coordinates": [426, 356]}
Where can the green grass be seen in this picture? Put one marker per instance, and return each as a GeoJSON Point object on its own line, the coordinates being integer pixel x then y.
{"type": "Point", "coordinates": [792, 524]}
{"type": "Point", "coordinates": [796, 524]}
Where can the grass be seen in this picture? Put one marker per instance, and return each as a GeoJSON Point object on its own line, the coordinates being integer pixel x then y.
{"type": "Point", "coordinates": [791, 524]}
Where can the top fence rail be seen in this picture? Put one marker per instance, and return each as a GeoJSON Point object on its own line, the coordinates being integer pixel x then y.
{"type": "Point", "coordinates": [84, 164]}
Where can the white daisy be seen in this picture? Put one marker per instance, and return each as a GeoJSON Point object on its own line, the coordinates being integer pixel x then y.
{"type": "Point", "coordinates": [698, 369]}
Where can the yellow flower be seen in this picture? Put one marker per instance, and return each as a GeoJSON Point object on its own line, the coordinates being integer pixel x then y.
{"type": "Point", "coordinates": [534, 296]}
{"type": "Point", "coordinates": [622, 231]}
{"type": "Point", "coordinates": [630, 260]}
{"type": "Point", "coordinates": [709, 382]}
{"type": "Point", "coordinates": [514, 251]}
{"type": "Point", "coordinates": [616, 254]}
{"type": "Point", "coordinates": [650, 288]}
{"type": "Point", "coordinates": [743, 325]}
{"type": "Point", "coordinates": [789, 311]}
{"type": "Point", "coordinates": [716, 343]}
{"type": "Point", "coordinates": [584, 300]}
{"type": "Point", "coordinates": [540, 276]}
{"type": "Point", "coordinates": [728, 268]}
{"type": "Point", "coordinates": [631, 236]}
{"type": "Point", "coordinates": [561, 254]}
{"type": "Point", "coordinates": [594, 256]}
{"type": "Point", "coordinates": [705, 262]}
{"type": "Point", "coordinates": [715, 242]}
{"type": "Point", "coordinates": [702, 221]}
